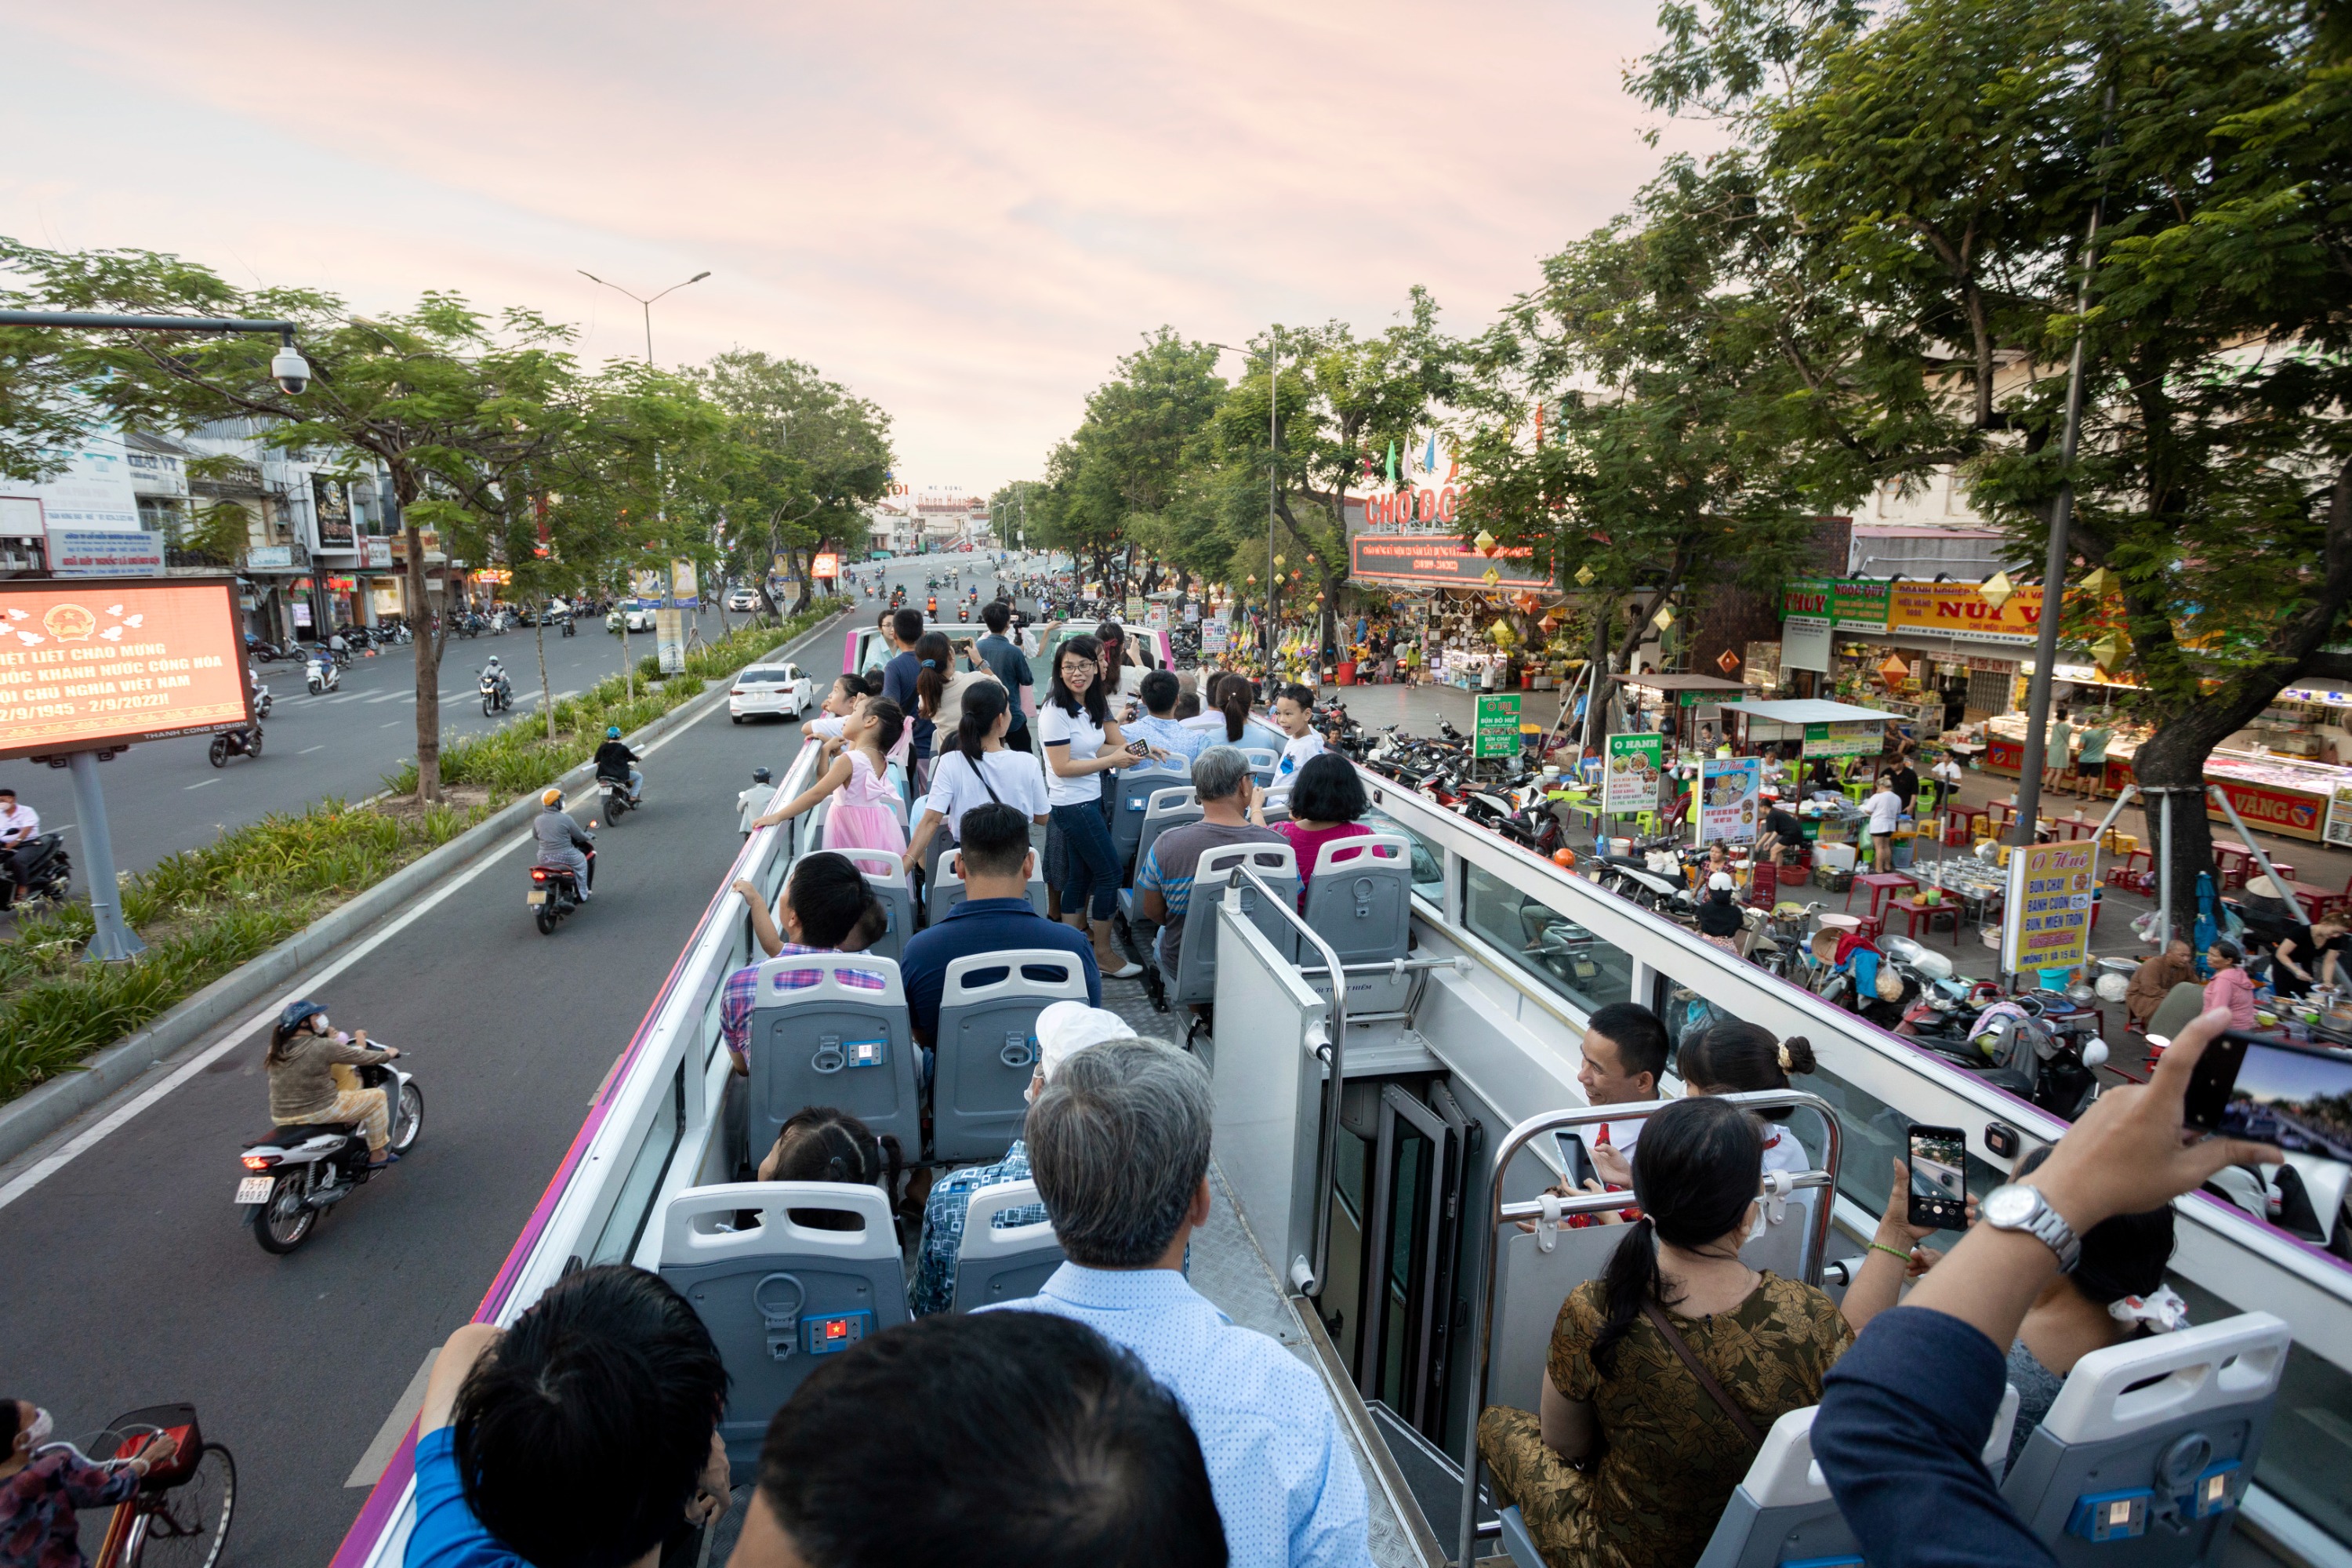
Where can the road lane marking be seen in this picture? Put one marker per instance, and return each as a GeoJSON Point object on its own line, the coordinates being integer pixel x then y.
{"type": "Point", "coordinates": [395, 724]}
{"type": "Point", "coordinates": [200, 785]}
{"type": "Point", "coordinates": [370, 1469]}
{"type": "Point", "coordinates": [121, 1116]}
{"type": "Point", "coordinates": [307, 749]}
{"type": "Point", "coordinates": [391, 697]}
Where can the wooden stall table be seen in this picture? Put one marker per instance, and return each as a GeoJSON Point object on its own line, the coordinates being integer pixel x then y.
{"type": "Point", "coordinates": [2076, 826]}
{"type": "Point", "coordinates": [1913, 911]}
{"type": "Point", "coordinates": [1881, 884]}
{"type": "Point", "coordinates": [2233, 857]}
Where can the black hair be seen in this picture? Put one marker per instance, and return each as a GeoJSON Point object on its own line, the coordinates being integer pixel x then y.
{"type": "Point", "coordinates": [12, 1412]}
{"type": "Point", "coordinates": [931, 679]}
{"type": "Point", "coordinates": [1328, 791]}
{"type": "Point", "coordinates": [983, 704]}
{"type": "Point", "coordinates": [1159, 690]}
{"type": "Point", "coordinates": [829, 897]}
{"type": "Point", "coordinates": [580, 1436]}
{"type": "Point", "coordinates": [849, 684]}
{"type": "Point", "coordinates": [907, 624]}
{"type": "Point", "coordinates": [8, 791]}
{"type": "Point", "coordinates": [1097, 706]}
{"type": "Point", "coordinates": [1695, 1177]}
{"type": "Point", "coordinates": [1302, 695]}
{"type": "Point", "coordinates": [1187, 705]}
{"type": "Point", "coordinates": [821, 1143]}
{"type": "Point", "coordinates": [1639, 1036]}
{"type": "Point", "coordinates": [2229, 951]}
{"type": "Point", "coordinates": [1231, 695]}
{"type": "Point", "coordinates": [872, 684]}
{"type": "Point", "coordinates": [989, 1440]}
{"type": "Point", "coordinates": [892, 719]}
{"type": "Point", "coordinates": [2123, 1255]}
{"type": "Point", "coordinates": [993, 840]}
{"type": "Point", "coordinates": [996, 615]}
{"type": "Point", "coordinates": [1734, 1056]}
{"type": "Point", "coordinates": [1110, 631]}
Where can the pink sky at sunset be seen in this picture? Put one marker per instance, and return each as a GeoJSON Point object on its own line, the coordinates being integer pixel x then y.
{"type": "Point", "coordinates": [964, 213]}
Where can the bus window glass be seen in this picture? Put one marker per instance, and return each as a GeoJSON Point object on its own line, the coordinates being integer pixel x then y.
{"type": "Point", "coordinates": [1428, 859]}
{"type": "Point", "coordinates": [1569, 960]}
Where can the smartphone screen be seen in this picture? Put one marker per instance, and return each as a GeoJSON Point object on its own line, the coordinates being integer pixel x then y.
{"type": "Point", "coordinates": [1939, 1177]}
{"type": "Point", "coordinates": [2297, 1097]}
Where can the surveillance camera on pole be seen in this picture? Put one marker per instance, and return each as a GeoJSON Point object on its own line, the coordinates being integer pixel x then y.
{"type": "Point", "coordinates": [289, 369]}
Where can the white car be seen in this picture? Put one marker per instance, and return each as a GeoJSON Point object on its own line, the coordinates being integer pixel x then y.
{"type": "Point", "coordinates": [742, 599]}
{"type": "Point", "coordinates": [639, 618]}
{"type": "Point", "coordinates": [781, 689]}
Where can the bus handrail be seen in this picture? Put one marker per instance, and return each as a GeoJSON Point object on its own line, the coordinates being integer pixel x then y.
{"type": "Point", "coordinates": [1498, 1213]}
{"type": "Point", "coordinates": [1327, 1158]}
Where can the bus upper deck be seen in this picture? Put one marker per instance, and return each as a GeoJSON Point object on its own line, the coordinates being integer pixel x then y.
{"type": "Point", "coordinates": [1377, 1146]}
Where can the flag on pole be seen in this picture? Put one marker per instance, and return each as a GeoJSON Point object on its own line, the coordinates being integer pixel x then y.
{"type": "Point", "coordinates": [1429, 463]}
{"type": "Point", "coordinates": [1392, 465]}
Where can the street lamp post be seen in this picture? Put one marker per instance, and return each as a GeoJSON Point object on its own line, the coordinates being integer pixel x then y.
{"type": "Point", "coordinates": [111, 941]}
{"type": "Point", "coordinates": [647, 304]}
{"type": "Point", "coordinates": [1272, 479]}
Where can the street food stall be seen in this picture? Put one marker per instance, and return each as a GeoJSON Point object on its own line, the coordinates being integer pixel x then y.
{"type": "Point", "coordinates": [1819, 728]}
{"type": "Point", "coordinates": [1696, 700]}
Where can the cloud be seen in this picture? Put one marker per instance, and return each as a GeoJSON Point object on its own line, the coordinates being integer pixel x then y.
{"type": "Point", "coordinates": [964, 213]}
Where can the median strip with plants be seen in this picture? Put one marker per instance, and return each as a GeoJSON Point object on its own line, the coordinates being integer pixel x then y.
{"type": "Point", "coordinates": [204, 911]}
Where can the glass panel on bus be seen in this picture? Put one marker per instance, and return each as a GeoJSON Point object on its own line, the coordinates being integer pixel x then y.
{"type": "Point", "coordinates": [1428, 859]}
{"type": "Point", "coordinates": [1567, 958]}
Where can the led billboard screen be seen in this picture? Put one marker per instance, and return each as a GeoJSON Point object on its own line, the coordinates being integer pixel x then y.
{"type": "Point", "coordinates": [85, 666]}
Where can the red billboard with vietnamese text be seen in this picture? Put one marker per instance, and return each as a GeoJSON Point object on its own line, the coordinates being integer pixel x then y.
{"type": "Point", "coordinates": [93, 665]}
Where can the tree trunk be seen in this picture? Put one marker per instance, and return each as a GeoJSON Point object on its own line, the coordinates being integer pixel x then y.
{"type": "Point", "coordinates": [546, 692]}
{"type": "Point", "coordinates": [430, 637]}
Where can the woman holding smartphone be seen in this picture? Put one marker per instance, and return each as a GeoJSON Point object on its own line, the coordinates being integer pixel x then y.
{"type": "Point", "coordinates": [1082, 741]}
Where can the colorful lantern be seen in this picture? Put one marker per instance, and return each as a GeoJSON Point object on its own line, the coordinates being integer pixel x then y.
{"type": "Point", "coordinates": [1584, 576]}
{"type": "Point", "coordinates": [1484, 543]}
{"type": "Point", "coordinates": [1997, 591]}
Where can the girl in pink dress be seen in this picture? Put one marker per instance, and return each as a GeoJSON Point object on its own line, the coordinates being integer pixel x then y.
{"type": "Point", "coordinates": [862, 818]}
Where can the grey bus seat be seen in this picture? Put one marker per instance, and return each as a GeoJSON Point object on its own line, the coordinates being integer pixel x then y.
{"type": "Point", "coordinates": [1786, 1246]}
{"type": "Point", "coordinates": [1004, 1263]}
{"type": "Point", "coordinates": [1531, 1280]}
{"type": "Point", "coordinates": [1782, 1512]}
{"type": "Point", "coordinates": [780, 1297]}
{"type": "Point", "coordinates": [2147, 1449]}
{"type": "Point", "coordinates": [1169, 806]}
{"type": "Point", "coordinates": [1277, 867]}
{"type": "Point", "coordinates": [1263, 762]}
{"type": "Point", "coordinates": [986, 1047]}
{"type": "Point", "coordinates": [887, 877]}
{"type": "Point", "coordinates": [945, 891]}
{"type": "Point", "coordinates": [832, 1042]}
{"type": "Point", "coordinates": [1139, 782]}
{"type": "Point", "coordinates": [1359, 899]}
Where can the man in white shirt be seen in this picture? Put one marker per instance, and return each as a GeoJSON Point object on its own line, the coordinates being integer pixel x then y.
{"type": "Point", "coordinates": [1624, 1057]}
{"type": "Point", "coordinates": [1885, 809]}
{"type": "Point", "coordinates": [18, 825]}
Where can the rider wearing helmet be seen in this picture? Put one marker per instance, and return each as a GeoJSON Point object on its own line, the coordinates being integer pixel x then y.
{"type": "Point", "coordinates": [613, 759]}
{"type": "Point", "coordinates": [304, 1051]}
{"type": "Point", "coordinates": [562, 843]}
{"type": "Point", "coordinates": [496, 673]}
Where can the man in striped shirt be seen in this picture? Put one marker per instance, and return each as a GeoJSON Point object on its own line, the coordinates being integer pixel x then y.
{"type": "Point", "coordinates": [1164, 883]}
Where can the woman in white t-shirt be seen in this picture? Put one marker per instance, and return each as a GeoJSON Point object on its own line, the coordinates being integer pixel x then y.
{"type": "Point", "coordinates": [1734, 1056]}
{"type": "Point", "coordinates": [1885, 809]}
{"type": "Point", "coordinates": [1081, 743]}
{"type": "Point", "coordinates": [979, 768]}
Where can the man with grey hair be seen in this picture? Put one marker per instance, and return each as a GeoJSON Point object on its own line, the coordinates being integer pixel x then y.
{"type": "Point", "coordinates": [1163, 882]}
{"type": "Point", "coordinates": [1118, 1145]}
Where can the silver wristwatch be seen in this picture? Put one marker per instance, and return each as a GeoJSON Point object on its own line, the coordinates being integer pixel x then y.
{"type": "Point", "coordinates": [2019, 1207]}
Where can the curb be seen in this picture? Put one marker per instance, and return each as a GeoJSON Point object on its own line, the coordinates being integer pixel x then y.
{"type": "Point", "coordinates": [42, 1109]}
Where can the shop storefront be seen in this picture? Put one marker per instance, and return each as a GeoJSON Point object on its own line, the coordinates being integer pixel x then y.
{"type": "Point", "coordinates": [1937, 654]}
{"type": "Point", "coordinates": [1448, 600]}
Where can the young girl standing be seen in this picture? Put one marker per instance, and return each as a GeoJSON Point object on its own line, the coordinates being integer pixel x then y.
{"type": "Point", "coordinates": [862, 818]}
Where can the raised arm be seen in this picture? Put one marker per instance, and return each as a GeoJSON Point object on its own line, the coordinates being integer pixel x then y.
{"type": "Point", "coordinates": [832, 779]}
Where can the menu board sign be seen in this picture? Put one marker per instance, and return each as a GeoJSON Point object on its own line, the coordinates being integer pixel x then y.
{"type": "Point", "coordinates": [86, 666]}
{"type": "Point", "coordinates": [1630, 783]}
{"type": "Point", "coordinates": [1843, 738]}
{"type": "Point", "coordinates": [2045, 921]}
{"type": "Point", "coordinates": [1728, 790]}
{"type": "Point", "coordinates": [1497, 728]}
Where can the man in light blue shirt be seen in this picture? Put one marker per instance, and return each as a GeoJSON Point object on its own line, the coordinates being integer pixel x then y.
{"type": "Point", "coordinates": [1118, 1145]}
{"type": "Point", "coordinates": [1159, 724]}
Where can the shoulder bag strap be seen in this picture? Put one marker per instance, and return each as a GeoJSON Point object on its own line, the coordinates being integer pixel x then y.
{"type": "Point", "coordinates": [1681, 1347]}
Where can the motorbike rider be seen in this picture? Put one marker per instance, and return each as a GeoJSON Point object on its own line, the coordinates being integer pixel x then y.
{"type": "Point", "coordinates": [496, 674]}
{"type": "Point", "coordinates": [304, 1050]}
{"type": "Point", "coordinates": [561, 842]}
{"type": "Point", "coordinates": [613, 759]}
{"type": "Point", "coordinates": [19, 826]}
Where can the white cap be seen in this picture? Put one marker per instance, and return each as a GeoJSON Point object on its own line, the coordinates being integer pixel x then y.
{"type": "Point", "coordinates": [1065, 1028]}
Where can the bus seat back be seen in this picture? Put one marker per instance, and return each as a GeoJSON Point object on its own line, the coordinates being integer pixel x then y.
{"type": "Point", "coordinates": [1138, 784]}
{"type": "Point", "coordinates": [1359, 899]}
{"type": "Point", "coordinates": [1782, 1512]}
{"type": "Point", "coordinates": [1277, 867]}
{"type": "Point", "coordinates": [823, 1032]}
{"type": "Point", "coordinates": [2147, 1449]}
{"type": "Point", "coordinates": [1007, 1262]}
{"type": "Point", "coordinates": [944, 891]}
{"type": "Point", "coordinates": [886, 879]}
{"type": "Point", "coordinates": [779, 1296]}
{"type": "Point", "coordinates": [1166, 807]}
{"type": "Point", "coordinates": [986, 1050]}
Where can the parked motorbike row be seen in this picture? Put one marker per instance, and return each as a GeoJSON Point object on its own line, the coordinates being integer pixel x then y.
{"type": "Point", "coordinates": [389, 633]}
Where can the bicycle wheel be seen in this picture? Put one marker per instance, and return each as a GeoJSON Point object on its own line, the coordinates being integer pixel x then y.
{"type": "Point", "coordinates": [187, 1525]}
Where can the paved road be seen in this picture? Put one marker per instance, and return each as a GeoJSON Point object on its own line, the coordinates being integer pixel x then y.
{"type": "Point", "coordinates": [131, 1281]}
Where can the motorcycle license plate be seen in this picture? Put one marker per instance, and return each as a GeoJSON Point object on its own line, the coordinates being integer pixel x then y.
{"type": "Point", "coordinates": [255, 1189]}
{"type": "Point", "coordinates": [536, 897]}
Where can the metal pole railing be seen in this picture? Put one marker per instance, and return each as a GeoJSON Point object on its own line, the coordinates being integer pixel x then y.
{"type": "Point", "coordinates": [2278, 884]}
{"type": "Point", "coordinates": [1328, 1155]}
{"type": "Point", "coordinates": [1498, 1213]}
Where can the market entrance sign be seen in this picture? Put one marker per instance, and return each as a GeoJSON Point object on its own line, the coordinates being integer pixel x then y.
{"type": "Point", "coordinates": [1440, 560]}
{"type": "Point", "coordinates": [1497, 728]}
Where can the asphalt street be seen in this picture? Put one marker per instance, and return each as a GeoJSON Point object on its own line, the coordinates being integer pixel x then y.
{"type": "Point", "coordinates": [133, 1278]}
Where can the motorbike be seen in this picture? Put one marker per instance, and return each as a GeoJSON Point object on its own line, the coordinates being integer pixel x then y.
{"type": "Point", "coordinates": [234, 743]}
{"type": "Point", "coordinates": [39, 868]}
{"type": "Point", "coordinates": [555, 894]}
{"type": "Point", "coordinates": [261, 701]}
{"type": "Point", "coordinates": [566, 622]}
{"type": "Point", "coordinates": [2041, 1045]}
{"type": "Point", "coordinates": [294, 1174]}
{"type": "Point", "coordinates": [324, 675]}
{"type": "Point", "coordinates": [496, 693]}
{"type": "Point", "coordinates": [617, 798]}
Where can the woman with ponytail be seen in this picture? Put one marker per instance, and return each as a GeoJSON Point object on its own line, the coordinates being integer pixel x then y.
{"type": "Point", "coordinates": [1634, 1455]}
{"type": "Point", "coordinates": [1226, 714]}
{"type": "Point", "coordinates": [978, 769]}
{"type": "Point", "coordinates": [1734, 1056]}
